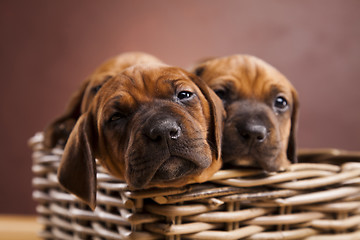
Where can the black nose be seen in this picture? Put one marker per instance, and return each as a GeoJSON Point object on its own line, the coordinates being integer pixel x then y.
{"type": "Point", "coordinates": [164, 129]}
{"type": "Point", "coordinates": [252, 132]}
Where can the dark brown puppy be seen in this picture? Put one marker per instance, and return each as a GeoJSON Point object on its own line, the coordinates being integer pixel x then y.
{"type": "Point", "coordinates": [261, 107]}
{"type": "Point", "coordinates": [59, 130]}
{"type": "Point", "coordinates": [151, 125]}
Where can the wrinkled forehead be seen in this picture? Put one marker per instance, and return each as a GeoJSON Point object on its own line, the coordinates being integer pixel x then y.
{"type": "Point", "coordinates": [246, 74]}
{"type": "Point", "coordinates": [152, 72]}
{"type": "Point", "coordinates": [147, 81]}
{"type": "Point", "coordinates": [154, 78]}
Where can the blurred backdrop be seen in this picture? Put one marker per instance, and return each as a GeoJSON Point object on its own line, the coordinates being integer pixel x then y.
{"type": "Point", "coordinates": [49, 47]}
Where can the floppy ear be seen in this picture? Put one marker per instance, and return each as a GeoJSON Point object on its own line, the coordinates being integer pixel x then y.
{"type": "Point", "coordinates": [217, 113]}
{"type": "Point", "coordinates": [200, 66]}
{"type": "Point", "coordinates": [291, 149]}
{"type": "Point", "coordinates": [198, 71]}
{"type": "Point", "coordinates": [59, 130]}
{"type": "Point", "coordinates": [77, 171]}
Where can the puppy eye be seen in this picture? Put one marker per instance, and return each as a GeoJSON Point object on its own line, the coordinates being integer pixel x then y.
{"type": "Point", "coordinates": [116, 117]}
{"type": "Point", "coordinates": [281, 103]}
{"type": "Point", "coordinates": [184, 95]}
{"type": "Point", "coordinates": [220, 93]}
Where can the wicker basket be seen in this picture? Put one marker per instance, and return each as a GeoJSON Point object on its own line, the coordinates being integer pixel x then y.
{"type": "Point", "coordinates": [318, 199]}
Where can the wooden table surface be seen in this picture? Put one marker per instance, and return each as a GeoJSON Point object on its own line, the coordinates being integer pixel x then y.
{"type": "Point", "coordinates": [18, 227]}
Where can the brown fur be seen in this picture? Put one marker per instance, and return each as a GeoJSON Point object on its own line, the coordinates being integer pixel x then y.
{"type": "Point", "coordinates": [248, 87]}
{"type": "Point", "coordinates": [59, 130]}
{"type": "Point", "coordinates": [124, 129]}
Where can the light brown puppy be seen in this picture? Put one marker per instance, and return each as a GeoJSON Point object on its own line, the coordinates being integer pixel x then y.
{"type": "Point", "coordinates": [59, 130]}
{"type": "Point", "coordinates": [151, 125]}
{"type": "Point", "coordinates": [261, 107]}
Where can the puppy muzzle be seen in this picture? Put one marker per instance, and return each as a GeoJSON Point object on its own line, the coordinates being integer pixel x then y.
{"type": "Point", "coordinates": [251, 136]}
{"type": "Point", "coordinates": [170, 152]}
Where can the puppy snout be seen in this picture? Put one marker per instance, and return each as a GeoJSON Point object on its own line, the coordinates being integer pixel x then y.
{"type": "Point", "coordinates": [164, 129]}
{"type": "Point", "coordinates": [252, 133]}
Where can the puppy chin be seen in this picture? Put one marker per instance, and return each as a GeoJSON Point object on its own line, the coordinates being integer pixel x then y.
{"type": "Point", "coordinates": [275, 166]}
{"type": "Point", "coordinates": [243, 162]}
{"type": "Point", "coordinates": [174, 168]}
{"type": "Point", "coordinates": [277, 163]}
{"type": "Point", "coordinates": [175, 171]}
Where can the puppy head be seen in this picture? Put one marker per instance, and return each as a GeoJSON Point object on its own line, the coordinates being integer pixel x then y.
{"type": "Point", "coordinates": [152, 126]}
{"type": "Point", "coordinates": [59, 130]}
{"type": "Point", "coordinates": [261, 107]}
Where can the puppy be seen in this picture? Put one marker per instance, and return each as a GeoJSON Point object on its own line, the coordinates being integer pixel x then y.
{"type": "Point", "coordinates": [59, 130]}
{"type": "Point", "coordinates": [261, 107]}
{"type": "Point", "coordinates": [152, 125]}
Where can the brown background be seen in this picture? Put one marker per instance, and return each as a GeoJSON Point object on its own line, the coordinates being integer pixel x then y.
{"type": "Point", "coordinates": [48, 48]}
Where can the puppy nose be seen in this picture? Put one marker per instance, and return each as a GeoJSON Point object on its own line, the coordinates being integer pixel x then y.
{"type": "Point", "coordinates": [164, 129]}
{"type": "Point", "coordinates": [253, 133]}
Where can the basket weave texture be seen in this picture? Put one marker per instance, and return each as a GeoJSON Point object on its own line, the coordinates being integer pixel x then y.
{"type": "Point", "coordinates": [318, 198]}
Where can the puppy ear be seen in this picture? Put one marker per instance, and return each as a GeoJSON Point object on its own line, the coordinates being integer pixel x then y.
{"type": "Point", "coordinates": [200, 66]}
{"type": "Point", "coordinates": [291, 149]}
{"type": "Point", "coordinates": [77, 171]}
{"type": "Point", "coordinates": [198, 71]}
{"type": "Point", "coordinates": [217, 113]}
{"type": "Point", "coordinates": [59, 130]}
